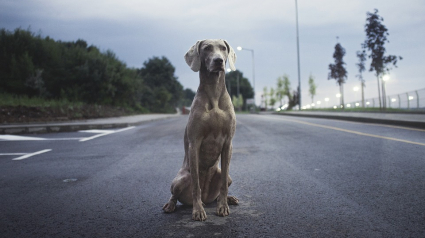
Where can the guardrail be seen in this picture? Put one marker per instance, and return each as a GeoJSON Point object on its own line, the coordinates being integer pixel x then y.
{"type": "Point", "coordinates": [409, 100]}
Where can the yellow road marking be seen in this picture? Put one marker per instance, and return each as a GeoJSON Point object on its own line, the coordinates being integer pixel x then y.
{"type": "Point", "coordinates": [396, 127]}
{"type": "Point", "coordinates": [356, 132]}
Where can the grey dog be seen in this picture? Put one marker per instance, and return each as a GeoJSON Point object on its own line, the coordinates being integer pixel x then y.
{"type": "Point", "coordinates": [208, 134]}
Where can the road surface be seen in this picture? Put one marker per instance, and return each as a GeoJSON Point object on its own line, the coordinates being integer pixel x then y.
{"type": "Point", "coordinates": [294, 177]}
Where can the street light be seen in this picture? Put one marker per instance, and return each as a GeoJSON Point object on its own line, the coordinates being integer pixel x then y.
{"type": "Point", "coordinates": [386, 77]}
{"type": "Point", "coordinates": [253, 67]}
{"type": "Point", "coordinates": [298, 57]}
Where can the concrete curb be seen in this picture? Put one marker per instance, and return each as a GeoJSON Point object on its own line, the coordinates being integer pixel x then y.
{"type": "Point", "coordinates": [71, 126]}
{"type": "Point", "coordinates": [407, 123]}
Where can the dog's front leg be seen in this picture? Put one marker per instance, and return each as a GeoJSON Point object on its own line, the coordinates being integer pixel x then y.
{"type": "Point", "coordinates": [198, 212]}
{"type": "Point", "coordinates": [226, 154]}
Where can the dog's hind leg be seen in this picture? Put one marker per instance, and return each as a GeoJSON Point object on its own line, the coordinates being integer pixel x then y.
{"type": "Point", "coordinates": [170, 206]}
{"type": "Point", "coordinates": [231, 200]}
{"type": "Point", "coordinates": [178, 189]}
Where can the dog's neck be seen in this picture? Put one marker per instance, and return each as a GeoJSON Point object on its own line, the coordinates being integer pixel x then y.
{"type": "Point", "coordinates": [213, 85]}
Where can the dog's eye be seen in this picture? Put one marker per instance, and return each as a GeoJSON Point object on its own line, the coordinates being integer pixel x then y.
{"type": "Point", "coordinates": [207, 48]}
{"type": "Point", "coordinates": [223, 48]}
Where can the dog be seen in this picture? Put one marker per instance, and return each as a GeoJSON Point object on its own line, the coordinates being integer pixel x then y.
{"type": "Point", "coordinates": [208, 134]}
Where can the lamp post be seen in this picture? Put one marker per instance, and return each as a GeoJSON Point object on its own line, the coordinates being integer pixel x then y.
{"type": "Point", "coordinates": [298, 57]}
{"type": "Point", "coordinates": [253, 68]}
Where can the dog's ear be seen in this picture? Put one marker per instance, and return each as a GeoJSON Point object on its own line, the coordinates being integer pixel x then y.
{"type": "Point", "coordinates": [231, 56]}
{"type": "Point", "coordinates": [192, 57]}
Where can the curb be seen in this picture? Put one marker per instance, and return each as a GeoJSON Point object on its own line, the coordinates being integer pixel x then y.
{"type": "Point", "coordinates": [64, 127]}
{"type": "Point", "coordinates": [414, 124]}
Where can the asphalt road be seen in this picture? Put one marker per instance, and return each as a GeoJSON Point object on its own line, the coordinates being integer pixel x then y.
{"type": "Point", "coordinates": [294, 177]}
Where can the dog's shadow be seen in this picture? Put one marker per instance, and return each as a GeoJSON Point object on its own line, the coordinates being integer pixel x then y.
{"type": "Point", "coordinates": [184, 212]}
{"type": "Point", "coordinates": [187, 209]}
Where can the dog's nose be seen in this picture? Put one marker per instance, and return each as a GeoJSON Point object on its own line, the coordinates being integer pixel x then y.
{"type": "Point", "coordinates": [218, 60]}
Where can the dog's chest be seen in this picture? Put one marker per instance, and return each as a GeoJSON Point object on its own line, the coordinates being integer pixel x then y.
{"type": "Point", "coordinates": [217, 122]}
{"type": "Point", "coordinates": [218, 127]}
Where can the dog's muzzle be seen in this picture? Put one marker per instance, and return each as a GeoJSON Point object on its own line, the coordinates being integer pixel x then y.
{"type": "Point", "coordinates": [217, 64]}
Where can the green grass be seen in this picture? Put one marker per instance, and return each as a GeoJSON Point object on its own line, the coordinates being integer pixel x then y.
{"type": "Point", "coordinates": [13, 100]}
{"type": "Point", "coordinates": [62, 108]}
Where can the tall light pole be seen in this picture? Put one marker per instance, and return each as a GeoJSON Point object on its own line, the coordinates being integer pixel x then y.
{"type": "Point", "coordinates": [298, 56]}
{"type": "Point", "coordinates": [253, 69]}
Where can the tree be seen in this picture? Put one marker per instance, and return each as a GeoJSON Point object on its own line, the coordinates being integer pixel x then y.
{"type": "Point", "coordinates": [294, 99]}
{"type": "Point", "coordinates": [286, 86]}
{"type": "Point", "coordinates": [188, 96]}
{"type": "Point", "coordinates": [279, 91]}
{"type": "Point", "coordinates": [312, 87]}
{"type": "Point", "coordinates": [272, 100]}
{"type": "Point", "coordinates": [163, 91]}
{"type": "Point", "coordinates": [337, 70]}
{"type": "Point", "coordinates": [245, 88]}
{"type": "Point", "coordinates": [376, 37]}
{"type": "Point", "coordinates": [362, 58]}
{"type": "Point", "coordinates": [265, 94]}
{"type": "Point", "coordinates": [284, 89]}
{"type": "Point", "coordinates": [237, 102]}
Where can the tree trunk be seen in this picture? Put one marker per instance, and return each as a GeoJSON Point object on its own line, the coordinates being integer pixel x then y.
{"type": "Point", "coordinates": [363, 94]}
{"type": "Point", "coordinates": [341, 91]}
{"type": "Point", "coordinates": [379, 93]}
{"type": "Point", "coordinates": [384, 95]}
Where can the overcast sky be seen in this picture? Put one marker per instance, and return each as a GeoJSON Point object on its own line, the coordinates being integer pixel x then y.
{"type": "Point", "coordinates": [137, 30]}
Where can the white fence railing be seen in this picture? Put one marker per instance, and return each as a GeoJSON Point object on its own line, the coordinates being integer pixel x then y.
{"type": "Point", "coordinates": [409, 100]}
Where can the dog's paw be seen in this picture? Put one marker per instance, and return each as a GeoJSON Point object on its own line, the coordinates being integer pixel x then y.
{"type": "Point", "coordinates": [223, 210]}
{"type": "Point", "coordinates": [232, 200]}
{"type": "Point", "coordinates": [169, 207]}
{"type": "Point", "coordinates": [199, 214]}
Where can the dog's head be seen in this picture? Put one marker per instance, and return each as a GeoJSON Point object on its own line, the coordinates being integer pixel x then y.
{"type": "Point", "coordinates": [212, 54]}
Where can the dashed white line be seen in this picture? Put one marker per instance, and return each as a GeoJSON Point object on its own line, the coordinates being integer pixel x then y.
{"type": "Point", "coordinates": [18, 138]}
{"type": "Point", "coordinates": [26, 156]}
{"type": "Point", "coordinates": [103, 133]}
{"type": "Point", "coordinates": [13, 154]}
{"type": "Point", "coordinates": [81, 139]}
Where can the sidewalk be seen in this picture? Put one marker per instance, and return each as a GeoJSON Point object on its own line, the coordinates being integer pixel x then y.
{"type": "Point", "coordinates": [397, 119]}
{"type": "Point", "coordinates": [102, 123]}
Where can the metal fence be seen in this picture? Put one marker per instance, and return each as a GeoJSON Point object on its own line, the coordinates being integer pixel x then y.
{"type": "Point", "coordinates": [409, 100]}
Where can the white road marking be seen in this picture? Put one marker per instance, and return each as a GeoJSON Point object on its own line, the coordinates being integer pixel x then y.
{"type": "Point", "coordinates": [13, 154]}
{"type": "Point", "coordinates": [98, 131]}
{"type": "Point", "coordinates": [81, 139]}
{"type": "Point", "coordinates": [28, 138]}
{"type": "Point", "coordinates": [18, 138]}
{"type": "Point", "coordinates": [26, 156]}
{"type": "Point", "coordinates": [103, 133]}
